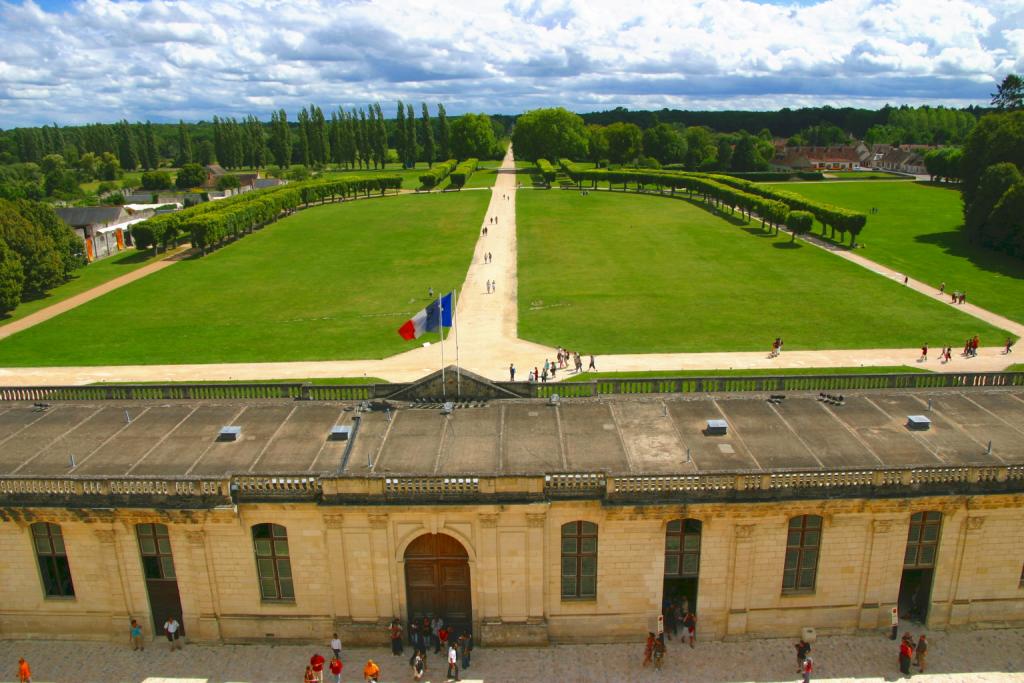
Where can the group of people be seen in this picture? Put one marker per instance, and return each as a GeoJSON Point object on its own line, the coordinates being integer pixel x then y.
{"type": "Point", "coordinates": [563, 358]}
{"type": "Point", "coordinates": [492, 286]}
{"type": "Point", "coordinates": [487, 257]}
{"type": "Point", "coordinates": [674, 613]}
{"type": "Point", "coordinates": [776, 348]}
{"type": "Point", "coordinates": [955, 297]}
{"type": "Point", "coordinates": [457, 649]}
{"type": "Point", "coordinates": [911, 652]}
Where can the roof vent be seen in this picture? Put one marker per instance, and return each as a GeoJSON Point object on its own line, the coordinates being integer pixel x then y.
{"type": "Point", "coordinates": [554, 399]}
{"type": "Point", "coordinates": [339, 433]}
{"type": "Point", "coordinates": [448, 408]}
{"type": "Point", "coordinates": [919, 422]}
{"type": "Point", "coordinates": [717, 428]}
{"type": "Point", "coordinates": [229, 434]}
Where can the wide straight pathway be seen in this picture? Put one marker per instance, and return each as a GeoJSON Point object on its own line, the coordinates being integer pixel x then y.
{"type": "Point", "coordinates": [954, 657]}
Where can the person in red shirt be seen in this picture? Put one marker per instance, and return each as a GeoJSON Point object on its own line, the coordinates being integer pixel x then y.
{"type": "Point", "coordinates": [906, 652]}
{"type": "Point", "coordinates": [316, 662]}
{"type": "Point", "coordinates": [442, 634]}
{"type": "Point", "coordinates": [336, 667]}
{"type": "Point", "coordinates": [24, 673]}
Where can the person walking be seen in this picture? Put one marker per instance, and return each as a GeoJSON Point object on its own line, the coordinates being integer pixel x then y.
{"type": "Point", "coordinates": [336, 646]}
{"type": "Point", "coordinates": [1009, 346]}
{"type": "Point", "coordinates": [942, 289]}
{"type": "Point", "coordinates": [690, 622]}
{"type": "Point", "coordinates": [316, 663]}
{"type": "Point", "coordinates": [419, 666]}
{"type": "Point", "coordinates": [172, 629]}
{"type": "Point", "coordinates": [659, 651]}
{"type": "Point", "coordinates": [135, 633]}
{"type": "Point", "coordinates": [906, 651]}
{"type": "Point", "coordinates": [648, 649]}
{"type": "Point", "coordinates": [24, 671]}
{"type": "Point", "coordinates": [336, 666]}
{"type": "Point", "coordinates": [511, 372]}
{"type": "Point", "coordinates": [807, 668]}
{"type": "Point", "coordinates": [803, 648]}
{"type": "Point", "coordinates": [466, 648]}
{"type": "Point", "coordinates": [371, 672]}
{"type": "Point", "coordinates": [396, 637]}
{"type": "Point", "coordinates": [922, 652]}
{"type": "Point", "coordinates": [924, 353]}
{"type": "Point", "coordinates": [430, 292]}
{"type": "Point", "coordinates": [591, 366]}
{"type": "Point", "coordinates": [453, 663]}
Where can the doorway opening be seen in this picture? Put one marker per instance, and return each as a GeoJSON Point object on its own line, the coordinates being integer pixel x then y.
{"type": "Point", "coordinates": [682, 565]}
{"type": "Point", "coordinates": [919, 566]}
{"type": "Point", "coordinates": [161, 580]}
{"type": "Point", "coordinates": [437, 582]}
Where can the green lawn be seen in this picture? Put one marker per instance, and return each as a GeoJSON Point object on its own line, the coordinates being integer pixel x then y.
{"type": "Point", "coordinates": [86, 278]}
{"type": "Point", "coordinates": [625, 273]}
{"type": "Point", "coordinates": [318, 381]}
{"type": "Point", "coordinates": [863, 175]}
{"type": "Point", "coordinates": [916, 231]}
{"type": "Point", "coordinates": [760, 372]}
{"type": "Point", "coordinates": [331, 282]}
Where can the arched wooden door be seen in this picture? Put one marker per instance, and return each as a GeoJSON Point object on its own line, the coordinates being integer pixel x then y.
{"type": "Point", "coordinates": [437, 581]}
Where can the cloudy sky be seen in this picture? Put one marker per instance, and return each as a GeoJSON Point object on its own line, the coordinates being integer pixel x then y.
{"type": "Point", "coordinates": [78, 61]}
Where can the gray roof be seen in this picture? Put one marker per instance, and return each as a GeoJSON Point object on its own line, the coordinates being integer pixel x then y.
{"type": "Point", "coordinates": [630, 434]}
{"type": "Point", "coordinates": [81, 216]}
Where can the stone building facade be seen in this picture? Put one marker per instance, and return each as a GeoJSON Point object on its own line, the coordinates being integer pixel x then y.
{"type": "Point", "coordinates": [344, 537]}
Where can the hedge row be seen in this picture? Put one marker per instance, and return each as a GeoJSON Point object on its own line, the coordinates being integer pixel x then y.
{"type": "Point", "coordinates": [762, 176]}
{"type": "Point", "coordinates": [212, 222]}
{"type": "Point", "coordinates": [439, 172]}
{"type": "Point", "coordinates": [546, 170]}
{"type": "Point", "coordinates": [462, 172]}
{"type": "Point", "coordinates": [712, 185]}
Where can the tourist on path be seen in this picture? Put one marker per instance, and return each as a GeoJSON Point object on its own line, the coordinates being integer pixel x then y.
{"type": "Point", "coordinates": [807, 668]}
{"type": "Point", "coordinates": [648, 649]}
{"type": "Point", "coordinates": [24, 672]}
{"type": "Point", "coordinates": [135, 632]}
{"type": "Point", "coordinates": [511, 372]}
{"type": "Point", "coordinates": [419, 667]}
{"type": "Point", "coordinates": [466, 649]}
{"type": "Point", "coordinates": [396, 638]}
{"type": "Point", "coordinates": [906, 652]}
{"type": "Point", "coordinates": [659, 651]}
{"type": "Point", "coordinates": [453, 663]}
{"type": "Point", "coordinates": [922, 652]}
{"type": "Point", "coordinates": [371, 672]}
{"type": "Point", "coordinates": [309, 676]}
{"type": "Point", "coordinates": [802, 650]}
{"type": "Point", "coordinates": [336, 646]}
{"type": "Point", "coordinates": [172, 629]}
{"type": "Point", "coordinates": [316, 662]}
{"type": "Point", "coordinates": [336, 666]}
{"type": "Point", "coordinates": [690, 622]}
{"type": "Point", "coordinates": [1009, 345]}
{"type": "Point", "coordinates": [592, 366]}
{"type": "Point", "coordinates": [924, 353]}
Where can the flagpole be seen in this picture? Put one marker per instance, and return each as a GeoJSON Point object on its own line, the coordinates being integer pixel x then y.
{"type": "Point", "coordinates": [455, 324]}
{"type": "Point", "coordinates": [440, 320]}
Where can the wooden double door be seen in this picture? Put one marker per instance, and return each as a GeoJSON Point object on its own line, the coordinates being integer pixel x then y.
{"type": "Point", "coordinates": [437, 581]}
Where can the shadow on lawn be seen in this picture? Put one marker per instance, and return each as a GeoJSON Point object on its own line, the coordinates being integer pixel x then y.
{"type": "Point", "coordinates": [787, 245]}
{"type": "Point", "coordinates": [955, 243]}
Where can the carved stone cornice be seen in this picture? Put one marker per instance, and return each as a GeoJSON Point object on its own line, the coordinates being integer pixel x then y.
{"type": "Point", "coordinates": [334, 520]}
{"type": "Point", "coordinates": [488, 520]}
{"type": "Point", "coordinates": [535, 520]}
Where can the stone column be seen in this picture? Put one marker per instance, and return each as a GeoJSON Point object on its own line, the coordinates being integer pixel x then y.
{"type": "Point", "coordinates": [386, 595]}
{"type": "Point", "coordinates": [960, 592]}
{"type": "Point", "coordinates": [873, 613]}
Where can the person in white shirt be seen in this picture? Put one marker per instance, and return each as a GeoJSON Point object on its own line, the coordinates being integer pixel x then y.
{"type": "Point", "coordinates": [336, 645]}
{"type": "Point", "coordinates": [172, 628]}
{"type": "Point", "coordinates": [453, 662]}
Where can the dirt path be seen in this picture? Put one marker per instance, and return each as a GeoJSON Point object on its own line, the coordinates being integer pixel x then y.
{"type": "Point", "coordinates": [90, 294]}
{"type": "Point", "coordinates": [488, 328]}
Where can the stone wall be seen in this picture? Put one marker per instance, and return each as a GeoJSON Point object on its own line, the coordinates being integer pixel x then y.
{"type": "Point", "coordinates": [348, 564]}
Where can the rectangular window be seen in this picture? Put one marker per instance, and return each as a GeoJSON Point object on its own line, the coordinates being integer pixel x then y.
{"type": "Point", "coordinates": [273, 565]}
{"type": "Point", "coordinates": [803, 538]}
{"type": "Point", "coordinates": [53, 560]}
{"type": "Point", "coordinates": [579, 560]}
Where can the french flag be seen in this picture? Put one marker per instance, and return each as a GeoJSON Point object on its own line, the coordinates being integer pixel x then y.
{"type": "Point", "coordinates": [437, 314]}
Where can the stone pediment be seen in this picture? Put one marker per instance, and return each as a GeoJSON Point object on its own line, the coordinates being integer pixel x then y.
{"type": "Point", "coordinates": [453, 384]}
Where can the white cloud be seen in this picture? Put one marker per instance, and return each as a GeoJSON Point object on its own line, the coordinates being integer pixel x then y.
{"type": "Point", "coordinates": [164, 59]}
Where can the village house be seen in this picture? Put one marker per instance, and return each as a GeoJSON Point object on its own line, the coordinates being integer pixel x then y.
{"type": "Point", "coordinates": [528, 513]}
{"type": "Point", "coordinates": [105, 229]}
{"type": "Point", "coordinates": [820, 158]}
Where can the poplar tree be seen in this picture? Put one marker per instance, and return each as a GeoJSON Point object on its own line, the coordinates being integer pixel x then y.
{"type": "Point", "coordinates": [319, 145]}
{"type": "Point", "coordinates": [445, 134]}
{"type": "Point", "coordinates": [280, 138]}
{"type": "Point", "coordinates": [126, 153]}
{"type": "Point", "coordinates": [349, 139]}
{"type": "Point", "coordinates": [304, 126]}
{"type": "Point", "coordinates": [382, 136]}
{"type": "Point", "coordinates": [410, 137]}
{"type": "Point", "coordinates": [400, 133]}
{"type": "Point", "coordinates": [152, 150]}
{"type": "Point", "coordinates": [362, 142]}
{"type": "Point", "coordinates": [184, 145]}
{"type": "Point", "coordinates": [428, 137]}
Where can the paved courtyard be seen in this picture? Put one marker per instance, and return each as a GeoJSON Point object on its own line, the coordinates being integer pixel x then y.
{"type": "Point", "coordinates": [968, 656]}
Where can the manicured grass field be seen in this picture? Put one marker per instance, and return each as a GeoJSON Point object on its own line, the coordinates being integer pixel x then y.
{"type": "Point", "coordinates": [86, 278]}
{"type": "Point", "coordinates": [863, 175]}
{"type": "Point", "coordinates": [758, 372]}
{"type": "Point", "coordinates": [318, 381]}
{"type": "Point", "coordinates": [622, 273]}
{"type": "Point", "coordinates": [331, 282]}
{"type": "Point", "coordinates": [917, 231]}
